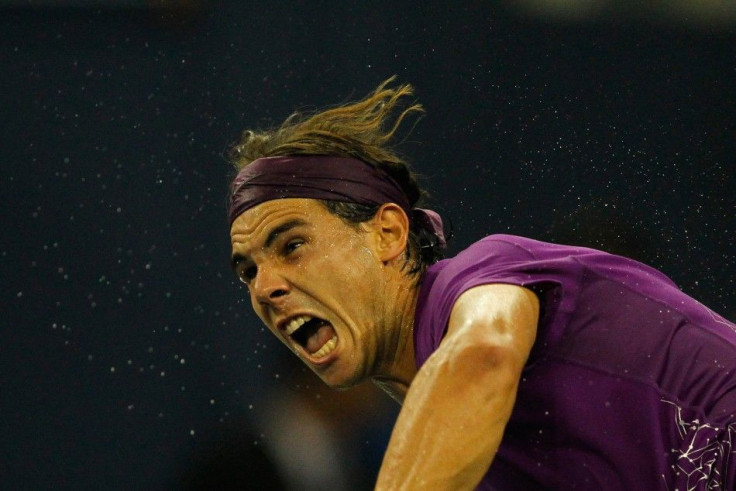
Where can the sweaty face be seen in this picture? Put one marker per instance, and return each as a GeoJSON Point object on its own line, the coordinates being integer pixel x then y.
{"type": "Point", "coordinates": [315, 282]}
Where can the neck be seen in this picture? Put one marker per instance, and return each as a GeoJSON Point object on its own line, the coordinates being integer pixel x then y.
{"type": "Point", "coordinates": [398, 366]}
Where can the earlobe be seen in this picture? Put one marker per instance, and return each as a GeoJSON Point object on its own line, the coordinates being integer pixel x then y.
{"type": "Point", "coordinates": [392, 229]}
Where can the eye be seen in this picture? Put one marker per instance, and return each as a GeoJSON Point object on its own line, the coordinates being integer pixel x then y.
{"type": "Point", "coordinates": [246, 273]}
{"type": "Point", "coordinates": [292, 245]}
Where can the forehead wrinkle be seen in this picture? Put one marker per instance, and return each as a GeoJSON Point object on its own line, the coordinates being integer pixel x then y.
{"type": "Point", "coordinates": [262, 230]}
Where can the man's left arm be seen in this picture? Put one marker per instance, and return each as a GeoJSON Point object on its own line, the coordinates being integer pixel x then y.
{"type": "Point", "coordinates": [457, 407]}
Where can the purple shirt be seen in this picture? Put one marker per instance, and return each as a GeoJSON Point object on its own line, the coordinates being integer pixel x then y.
{"type": "Point", "coordinates": [631, 384]}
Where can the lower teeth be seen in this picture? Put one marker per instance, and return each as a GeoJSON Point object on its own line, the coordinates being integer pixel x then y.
{"type": "Point", "coordinates": [327, 348]}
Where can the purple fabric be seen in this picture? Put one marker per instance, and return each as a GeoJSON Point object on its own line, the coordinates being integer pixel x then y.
{"type": "Point", "coordinates": [631, 384]}
{"type": "Point", "coordinates": [312, 176]}
{"type": "Point", "coordinates": [323, 177]}
{"type": "Point", "coordinates": [431, 220]}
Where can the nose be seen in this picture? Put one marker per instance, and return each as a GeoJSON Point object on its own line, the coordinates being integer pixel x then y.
{"type": "Point", "coordinates": [269, 287]}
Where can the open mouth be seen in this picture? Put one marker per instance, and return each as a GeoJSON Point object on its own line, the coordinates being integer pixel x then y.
{"type": "Point", "coordinates": [316, 336]}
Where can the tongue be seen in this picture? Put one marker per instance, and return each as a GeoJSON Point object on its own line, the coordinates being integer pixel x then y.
{"type": "Point", "coordinates": [319, 337]}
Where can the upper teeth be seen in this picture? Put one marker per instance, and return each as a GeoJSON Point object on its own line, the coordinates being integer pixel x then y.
{"type": "Point", "coordinates": [296, 323]}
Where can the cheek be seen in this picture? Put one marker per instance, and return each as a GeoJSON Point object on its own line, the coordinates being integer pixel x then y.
{"type": "Point", "coordinates": [258, 308]}
{"type": "Point", "coordinates": [353, 270]}
{"type": "Point", "coordinates": [362, 260]}
{"type": "Point", "coordinates": [338, 265]}
{"type": "Point", "coordinates": [354, 253]}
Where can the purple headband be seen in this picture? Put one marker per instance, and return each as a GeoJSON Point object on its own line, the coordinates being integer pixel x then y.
{"type": "Point", "coordinates": [323, 177]}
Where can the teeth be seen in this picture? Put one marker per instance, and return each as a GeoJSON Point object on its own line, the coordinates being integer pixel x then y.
{"type": "Point", "coordinates": [296, 323]}
{"type": "Point", "coordinates": [327, 348]}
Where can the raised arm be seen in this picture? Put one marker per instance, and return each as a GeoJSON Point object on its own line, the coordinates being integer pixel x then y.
{"type": "Point", "coordinates": [457, 407]}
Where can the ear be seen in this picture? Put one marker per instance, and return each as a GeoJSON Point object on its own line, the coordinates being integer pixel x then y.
{"type": "Point", "coordinates": [391, 226]}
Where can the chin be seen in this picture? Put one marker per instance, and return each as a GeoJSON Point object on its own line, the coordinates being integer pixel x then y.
{"type": "Point", "coordinates": [340, 381]}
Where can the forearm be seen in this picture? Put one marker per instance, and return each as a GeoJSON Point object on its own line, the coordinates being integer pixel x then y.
{"type": "Point", "coordinates": [453, 420]}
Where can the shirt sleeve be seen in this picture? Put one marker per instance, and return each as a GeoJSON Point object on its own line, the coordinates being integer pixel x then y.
{"type": "Point", "coordinates": [552, 273]}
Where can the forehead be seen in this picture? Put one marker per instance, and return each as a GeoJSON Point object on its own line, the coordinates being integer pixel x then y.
{"type": "Point", "coordinates": [261, 219]}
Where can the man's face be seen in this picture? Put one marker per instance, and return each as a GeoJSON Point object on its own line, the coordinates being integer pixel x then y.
{"type": "Point", "coordinates": [315, 281]}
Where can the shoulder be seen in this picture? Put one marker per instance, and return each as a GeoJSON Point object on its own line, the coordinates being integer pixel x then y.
{"type": "Point", "coordinates": [488, 261]}
{"type": "Point", "coordinates": [499, 258]}
{"type": "Point", "coordinates": [481, 262]}
{"type": "Point", "coordinates": [492, 254]}
{"type": "Point", "coordinates": [495, 260]}
{"type": "Point", "coordinates": [500, 247]}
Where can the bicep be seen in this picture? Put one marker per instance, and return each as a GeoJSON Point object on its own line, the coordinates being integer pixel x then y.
{"type": "Point", "coordinates": [458, 405]}
{"type": "Point", "coordinates": [499, 317]}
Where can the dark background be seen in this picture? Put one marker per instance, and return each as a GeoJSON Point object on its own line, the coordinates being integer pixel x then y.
{"type": "Point", "coordinates": [129, 356]}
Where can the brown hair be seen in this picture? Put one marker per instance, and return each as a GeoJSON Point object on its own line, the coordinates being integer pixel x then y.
{"type": "Point", "coordinates": [361, 130]}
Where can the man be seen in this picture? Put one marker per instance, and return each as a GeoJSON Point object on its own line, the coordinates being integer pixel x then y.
{"type": "Point", "coordinates": [519, 364]}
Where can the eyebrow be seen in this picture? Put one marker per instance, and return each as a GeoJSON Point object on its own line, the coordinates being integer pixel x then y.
{"type": "Point", "coordinates": [272, 236]}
